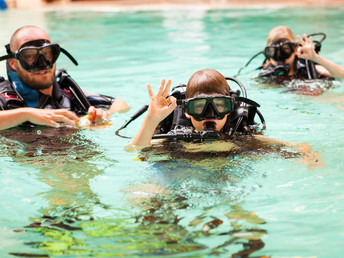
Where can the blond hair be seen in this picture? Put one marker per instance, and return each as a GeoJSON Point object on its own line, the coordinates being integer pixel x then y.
{"type": "Point", "coordinates": [278, 33]}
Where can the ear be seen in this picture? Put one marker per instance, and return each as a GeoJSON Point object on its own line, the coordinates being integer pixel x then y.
{"type": "Point", "coordinates": [11, 62]}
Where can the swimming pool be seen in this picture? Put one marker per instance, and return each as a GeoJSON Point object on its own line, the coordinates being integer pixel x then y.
{"type": "Point", "coordinates": [66, 193]}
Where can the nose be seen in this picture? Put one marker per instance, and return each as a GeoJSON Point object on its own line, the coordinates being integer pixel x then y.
{"type": "Point", "coordinates": [42, 61]}
{"type": "Point", "coordinates": [210, 112]}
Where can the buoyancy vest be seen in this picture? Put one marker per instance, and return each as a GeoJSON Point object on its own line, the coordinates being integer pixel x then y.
{"type": "Point", "coordinates": [304, 69]}
{"type": "Point", "coordinates": [66, 94]}
{"type": "Point", "coordinates": [240, 120]}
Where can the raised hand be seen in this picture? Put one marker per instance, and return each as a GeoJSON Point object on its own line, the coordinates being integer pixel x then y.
{"type": "Point", "coordinates": [307, 49]}
{"type": "Point", "coordinates": [159, 108]}
{"type": "Point", "coordinates": [159, 105]}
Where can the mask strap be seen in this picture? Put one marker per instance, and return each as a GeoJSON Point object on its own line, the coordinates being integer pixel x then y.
{"type": "Point", "coordinates": [5, 57]}
{"type": "Point", "coordinates": [8, 48]}
{"type": "Point", "coordinates": [69, 55]}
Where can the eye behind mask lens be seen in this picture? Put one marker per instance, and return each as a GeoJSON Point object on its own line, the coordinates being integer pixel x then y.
{"type": "Point", "coordinates": [38, 58]}
{"type": "Point", "coordinates": [279, 52]}
{"type": "Point", "coordinates": [209, 107]}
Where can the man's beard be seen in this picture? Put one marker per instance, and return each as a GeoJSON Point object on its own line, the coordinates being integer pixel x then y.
{"type": "Point", "coordinates": [31, 82]}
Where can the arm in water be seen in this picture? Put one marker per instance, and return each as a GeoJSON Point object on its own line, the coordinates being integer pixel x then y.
{"type": "Point", "coordinates": [49, 117]}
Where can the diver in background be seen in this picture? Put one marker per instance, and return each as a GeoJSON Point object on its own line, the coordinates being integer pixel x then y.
{"type": "Point", "coordinates": [34, 84]}
{"type": "Point", "coordinates": [289, 59]}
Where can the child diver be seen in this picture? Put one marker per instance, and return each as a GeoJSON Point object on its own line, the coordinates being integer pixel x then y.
{"type": "Point", "coordinates": [288, 59]}
{"type": "Point", "coordinates": [213, 109]}
{"type": "Point", "coordinates": [207, 107]}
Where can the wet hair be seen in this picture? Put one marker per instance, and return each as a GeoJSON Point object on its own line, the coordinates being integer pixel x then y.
{"type": "Point", "coordinates": [208, 82]}
{"type": "Point", "coordinates": [280, 32]}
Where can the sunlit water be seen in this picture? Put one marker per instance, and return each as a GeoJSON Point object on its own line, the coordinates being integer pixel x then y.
{"type": "Point", "coordinates": [79, 193]}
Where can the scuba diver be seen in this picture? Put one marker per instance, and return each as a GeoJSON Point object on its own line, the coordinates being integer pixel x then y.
{"type": "Point", "coordinates": [208, 109]}
{"type": "Point", "coordinates": [287, 59]}
{"type": "Point", "coordinates": [38, 92]}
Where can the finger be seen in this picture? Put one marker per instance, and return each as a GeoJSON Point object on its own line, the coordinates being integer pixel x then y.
{"type": "Point", "coordinates": [170, 99]}
{"type": "Point", "coordinates": [150, 91]}
{"type": "Point", "coordinates": [61, 118]}
{"type": "Point", "coordinates": [51, 123]}
{"type": "Point", "coordinates": [301, 40]}
{"type": "Point", "coordinates": [173, 104]}
{"type": "Point", "coordinates": [99, 114]}
{"type": "Point", "coordinates": [92, 113]}
{"type": "Point", "coordinates": [161, 87]}
{"type": "Point", "coordinates": [167, 88]}
{"type": "Point", "coordinates": [67, 113]}
{"type": "Point", "coordinates": [173, 101]}
{"type": "Point", "coordinates": [306, 38]}
{"type": "Point", "coordinates": [311, 40]}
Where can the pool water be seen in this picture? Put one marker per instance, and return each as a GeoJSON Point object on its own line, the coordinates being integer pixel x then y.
{"type": "Point", "coordinates": [67, 193]}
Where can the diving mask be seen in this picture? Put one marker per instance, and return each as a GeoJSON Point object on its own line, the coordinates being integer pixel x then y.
{"type": "Point", "coordinates": [37, 55]}
{"type": "Point", "coordinates": [209, 107]}
{"type": "Point", "coordinates": [280, 50]}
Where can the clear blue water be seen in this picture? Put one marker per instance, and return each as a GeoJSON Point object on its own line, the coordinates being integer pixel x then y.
{"type": "Point", "coordinates": [75, 194]}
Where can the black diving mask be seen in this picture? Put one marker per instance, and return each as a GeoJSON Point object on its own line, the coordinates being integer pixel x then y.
{"type": "Point", "coordinates": [214, 107]}
{"type": "Point", "coordinates": [280, 50]}
{"type": "Point", "coordinates": [37, 55]}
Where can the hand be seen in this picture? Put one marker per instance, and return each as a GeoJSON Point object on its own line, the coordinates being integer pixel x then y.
{"type": "Point", "coordinates": [98, 115]}
{"type": "Point", "coordinates": [307, 49]}
{"type": "Point", "coordinates": [51, 117]}
{"type": "Point", "coordinates": [159, 108]}
{"type": "Point", "coordinates": [159, 105]}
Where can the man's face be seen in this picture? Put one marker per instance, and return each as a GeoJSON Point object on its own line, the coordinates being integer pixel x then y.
{"type": "Point", "coordinates": [39, 80]}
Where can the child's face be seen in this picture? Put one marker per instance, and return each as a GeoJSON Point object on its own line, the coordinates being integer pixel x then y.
{"type": "Point", "coordinates": [291, 59]}
{"type": "Point", "coordinates": [288, 61]}
{"type": "Point", "coordinates": [199, 125]}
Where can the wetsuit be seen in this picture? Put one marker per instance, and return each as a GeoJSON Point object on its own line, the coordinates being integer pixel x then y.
{"type": "Point", "coordinates": [304, 69]}
{"type": "Point", "coordinates": [66, 94]}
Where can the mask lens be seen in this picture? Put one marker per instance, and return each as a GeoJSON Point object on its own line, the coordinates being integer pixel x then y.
{"type": "Point", "coordinates": [28, 56]}
{"type": "Point", "coordinates": [286, 48]}
{"type": "Point", "coordinates": [269, 52]}
{"type": "Point", "coordinates": [38, 58]}
{"type": "Point", "coordinates": [196, 106]}
{"type": "Point", "coordinates": [223, 105]}
{"type": "Point", "coordinates": [48, 53]}
{"type": "Point", "coordinates": [209, 107]}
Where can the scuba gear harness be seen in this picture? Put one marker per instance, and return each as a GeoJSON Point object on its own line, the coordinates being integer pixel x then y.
{"type": "Point", "coordinates": [176, 126]}
{"type": "Point", "coordinates": [15, 93]}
